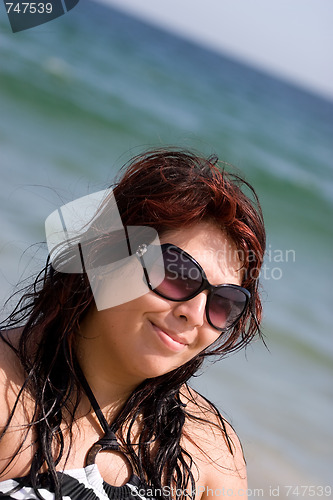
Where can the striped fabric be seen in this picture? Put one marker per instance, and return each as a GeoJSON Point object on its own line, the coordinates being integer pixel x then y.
{"type": "Point", "coordinates": [78, 484]}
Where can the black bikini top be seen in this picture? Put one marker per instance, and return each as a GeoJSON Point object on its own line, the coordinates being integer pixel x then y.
{"type": "Point", "coordinates": [109, 440]}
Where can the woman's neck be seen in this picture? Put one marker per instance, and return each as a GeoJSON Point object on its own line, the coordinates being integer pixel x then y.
{"type": "Point", "coordinates": [108, 382]}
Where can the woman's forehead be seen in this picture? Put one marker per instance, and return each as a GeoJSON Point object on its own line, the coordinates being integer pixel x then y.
{"type": "Point", "coordinates": [212, 248]}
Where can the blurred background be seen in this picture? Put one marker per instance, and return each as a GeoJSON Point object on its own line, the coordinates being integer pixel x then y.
{"type": "Point", "coordinates": [81, 95]}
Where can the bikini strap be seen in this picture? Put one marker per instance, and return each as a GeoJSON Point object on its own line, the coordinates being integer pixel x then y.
{"type": "Point", "coordinates": [109, 440]}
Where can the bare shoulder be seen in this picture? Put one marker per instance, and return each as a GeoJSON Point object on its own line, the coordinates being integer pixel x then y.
{"type": "Point", "coordinates": [215, 448]}
{"type": "Point", "coordinates": [14, 459]}
{"type": "Point", "coordinates": [10, 366]}
{"type": "Point", "coordinates": [11, 372]}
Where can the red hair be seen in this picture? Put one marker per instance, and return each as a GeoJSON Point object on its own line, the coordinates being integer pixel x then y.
{"type": "Point", "coordinates": [169, 189]}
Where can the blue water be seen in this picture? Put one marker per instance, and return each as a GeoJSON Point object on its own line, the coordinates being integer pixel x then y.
{"type": "Point", "coordinates": [81, 95]}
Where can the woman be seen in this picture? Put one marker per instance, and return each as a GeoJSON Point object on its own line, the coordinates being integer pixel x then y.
{"type": "Point", "coordinates": [78, 378]}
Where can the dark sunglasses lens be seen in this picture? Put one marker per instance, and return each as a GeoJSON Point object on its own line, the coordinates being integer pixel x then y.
{"type": "Point", "coordinates": [182, 277]}
{"type": "Point", "coordinates": [226, 306]}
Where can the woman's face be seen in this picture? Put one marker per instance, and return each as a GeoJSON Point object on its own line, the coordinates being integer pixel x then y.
{"type": "Point", "coordinates": [150, 336]}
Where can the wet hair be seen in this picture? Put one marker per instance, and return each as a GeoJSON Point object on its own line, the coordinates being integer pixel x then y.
{"type": "Point", "coordinates": [167, 190]}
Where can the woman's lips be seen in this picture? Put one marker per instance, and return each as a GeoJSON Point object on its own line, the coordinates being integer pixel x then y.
{"type": "Point", "coordinates": [168, 339]}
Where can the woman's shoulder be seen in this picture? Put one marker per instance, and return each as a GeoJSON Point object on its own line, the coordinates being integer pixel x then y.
{"type": "Point", "coordinates": [11, 371]}
{"type": "Point", "coordinates": [213, 444]}
{"type": "Point", "coordinates": [205, 419]}
{"type": "Point", "coordinates": [13, 426]}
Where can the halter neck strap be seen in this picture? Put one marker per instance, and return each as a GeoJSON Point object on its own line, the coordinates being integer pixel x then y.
{"type": "Point", "coordinates": [109, 440]}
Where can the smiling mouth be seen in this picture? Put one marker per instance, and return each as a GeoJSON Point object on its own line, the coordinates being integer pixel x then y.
{"type": "Point", "coordinates": [168, 341]}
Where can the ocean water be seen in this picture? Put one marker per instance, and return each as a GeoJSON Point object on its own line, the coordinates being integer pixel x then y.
{"type": "Point", "coordinates": [80, 95]}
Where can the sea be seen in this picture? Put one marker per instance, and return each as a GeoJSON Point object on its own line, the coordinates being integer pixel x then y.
{"type": "Point", "coordinates": [81, 95]}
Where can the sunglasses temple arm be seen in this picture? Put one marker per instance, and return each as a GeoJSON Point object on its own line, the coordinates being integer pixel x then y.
{"type": "Point", "coordinates": [144, 269]}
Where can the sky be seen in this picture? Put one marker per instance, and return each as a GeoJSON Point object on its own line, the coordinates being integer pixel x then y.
{"type": "Point", "coordinates": [292, 39]}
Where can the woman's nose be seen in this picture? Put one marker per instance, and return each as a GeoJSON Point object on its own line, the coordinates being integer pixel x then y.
{"type": "Point", "coordinates": [193, 311]}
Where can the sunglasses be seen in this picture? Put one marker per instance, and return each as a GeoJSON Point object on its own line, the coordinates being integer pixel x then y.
{"type": "Point", "coordinates": [184, 279]}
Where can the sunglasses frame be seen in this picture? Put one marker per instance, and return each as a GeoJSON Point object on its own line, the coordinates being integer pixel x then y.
{"type": "Point", "coordinates": [205, 285]}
